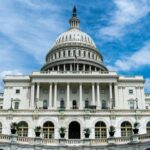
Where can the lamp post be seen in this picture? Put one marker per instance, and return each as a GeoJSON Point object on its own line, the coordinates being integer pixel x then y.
{"type": "Point", "coordinates": [136, 100]}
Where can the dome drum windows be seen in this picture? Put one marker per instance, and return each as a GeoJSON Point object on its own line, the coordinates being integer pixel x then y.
{"type": "Point", "coordinates": [0, 127]}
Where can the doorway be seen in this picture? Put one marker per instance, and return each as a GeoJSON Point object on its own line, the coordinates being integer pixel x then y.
{"type": "Point", "coordinates": [74, 130]}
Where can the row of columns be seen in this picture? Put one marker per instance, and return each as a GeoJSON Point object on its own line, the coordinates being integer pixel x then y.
{"type": "Point", "coordinates": [51, 104]}
{"type": "Point", "coordinates": [74, 66]}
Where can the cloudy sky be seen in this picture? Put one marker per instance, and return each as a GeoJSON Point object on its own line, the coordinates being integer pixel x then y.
{"type": "Point", "coordinates": [120, 29]}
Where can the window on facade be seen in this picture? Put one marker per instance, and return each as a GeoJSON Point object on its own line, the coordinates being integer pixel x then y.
{"type": "Point", "coordinates": [104, 104]}
{"type": "Point", "coordinates": [22, 129]}
{"type": "Point", "coordinates": [62, 104]}
{"type": "Point", "coordinates": [63, 53]}
{"type": "Point", "coordinates": [89, 54]}
{"type": "Point", "coordinates": [17, 91]}
{"type": "Point", "coordinates": [79, 53]}
{"type": "Point", "coordinates": [45, 104]}
{"type": "Point", "coordinates": [86, 90]}
{"type": "Point", "coordinates": [0, 127]}
{"type": "Point", "coordinates": [131, 103]}
{"type": "Point", "coordinates": [68, 53]}
{"type": "Point", "coordinates": [74, 91]}
{"type": "Point", "coordinates": [48, 130]}
{"type": "Point", "coordinates": [45, 91]}
{"type": "Point", "coordinates": [148, 127]}
{"type": "Point", "coordinates": [84, 53]}
{"type": "Point", "coordinates": [1, 106]}
{"type": "Point", "coordinates": [16, 105]}
{"type": "Point", "coordinates": [100, 130]}
{"type": "Point", "coordinates": [74, 53]}
{"type": "Point", "coordinates": [130, 91]}
{"type": "Point", "coordinates": [86, 104]}
{"type": "Point", "coordinates": [126, 129]}
{"type": "Point", "coordinates": [102, 91]}
{"type": "Point", "coordinates": [74, 104]}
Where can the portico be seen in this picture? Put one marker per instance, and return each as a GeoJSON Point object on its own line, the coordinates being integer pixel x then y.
{"type": "Point", "coordinates": [54, 92]}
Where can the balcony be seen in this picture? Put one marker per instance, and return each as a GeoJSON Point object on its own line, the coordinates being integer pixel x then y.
{"type": "Point", "coordinates": [73, 142]}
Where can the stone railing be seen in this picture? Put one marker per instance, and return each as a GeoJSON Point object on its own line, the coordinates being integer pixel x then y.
{"type": "Point", "coordinates": [25, 140]}
{"type": "Point", "coordinates": [75, 72]}
{"type": "Point", "coordinates": [73, 142]}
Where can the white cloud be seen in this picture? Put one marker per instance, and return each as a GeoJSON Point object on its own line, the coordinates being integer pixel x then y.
{"type": "Point", "coordinates": [127, 12]}
{"type": "Point", "coordinates": [136, 60]}
{"type": "Point", "coordinates": [32, 32]}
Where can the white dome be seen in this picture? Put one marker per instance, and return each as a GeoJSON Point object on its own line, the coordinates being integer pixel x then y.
{"type": "Point", "coordinates": [74, 35]}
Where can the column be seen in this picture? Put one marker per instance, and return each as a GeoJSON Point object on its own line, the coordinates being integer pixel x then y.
{"type": "Point", "coordinates": [84, 67]}
{"type": "Point", "coordinates": [68, 95]}
{"type": "Point", "coordinates": [64, 67]}
{"type": "Point", "coordinates": [32, 95]}
{"type": "Point", "coordinates": [55, 95]}
{"type": "Point", "coordinates": [77, 67]}
{"type": "Point", "coordinates": [50, 95]}
{"type": "Point", "coordinates": [98, 97]}
{"type": "Point", "coordinates": [93, 94]}
{"type": "Point", "coordinates": [116, 96]}
{"type": "Point", "coordinates": [89, 68]}
{"type": "Point", "coordinates": [70, 67]}
{"type": "Point", "coordinates": [80, 96]}
{"type": "Point", "coordinates": [38, 91]}
{"type": "Point", "coordinates": [110, 96]}
{"type": "Point", "coordinates": [58, 68]}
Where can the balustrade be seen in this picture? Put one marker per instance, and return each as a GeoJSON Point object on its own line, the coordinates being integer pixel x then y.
{"type": "Point", "coordinates": [71, 142]}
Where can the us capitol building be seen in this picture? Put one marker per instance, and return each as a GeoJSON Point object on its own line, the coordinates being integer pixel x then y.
{"type": "Point", "coordinates": [75, 94]}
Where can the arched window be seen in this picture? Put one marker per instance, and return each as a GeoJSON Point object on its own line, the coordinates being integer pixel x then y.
{"type": "Point", "coordinates": [48, 130]}
{"type": "Point", "coordinates": [100, 130]}
{"type": "Point", "coordinates": [74, 104]}
{"type": "Point", "coordinates": [86, 104]}
{"type": "Point", "coordinates": [148, 127]}
{"type": "Point", "coordinates": [126, 129]}
{"type": "Point", "coordinates": [45, 104]}
{"type": "Point", "coordinates": [62, 104]}
{"type": "Point", "coordinates": [22, 129]}
{"type": "Point", "coordinates": [0, 127]}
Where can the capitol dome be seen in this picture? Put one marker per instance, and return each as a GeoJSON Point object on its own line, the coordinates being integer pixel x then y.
{"type": "Point", "coordinates": [74, 50]}
{"type": "Point", "coordinates": [74, 35]}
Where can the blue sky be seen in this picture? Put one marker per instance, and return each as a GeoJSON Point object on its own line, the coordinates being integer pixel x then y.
{"type": "Point", "coordinates": [120, 29]}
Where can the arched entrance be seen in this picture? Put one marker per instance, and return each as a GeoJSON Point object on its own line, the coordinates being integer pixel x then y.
{"type": "Point", "coordinates": [74, 130]}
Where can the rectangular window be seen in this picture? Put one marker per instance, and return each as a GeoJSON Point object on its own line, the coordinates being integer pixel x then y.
{"type": "Point", "coordinates": [102, 91]}
{"type": "Point", "coordinates": [16, 105]}
{"type": "Point", "coordinates": [130, 91]}
{"type": "Point", "coordinates": [45, 91]}
{"type": "Point", "coordinates": [131, 105]}
{"type": "Point", "coordinates": [17, 91]}
{"type": "Point", "coordinates": [74, 91]}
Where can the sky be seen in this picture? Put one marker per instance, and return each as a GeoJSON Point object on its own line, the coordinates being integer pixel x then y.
{"type": "Point", "coordinates": [120, 29]}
